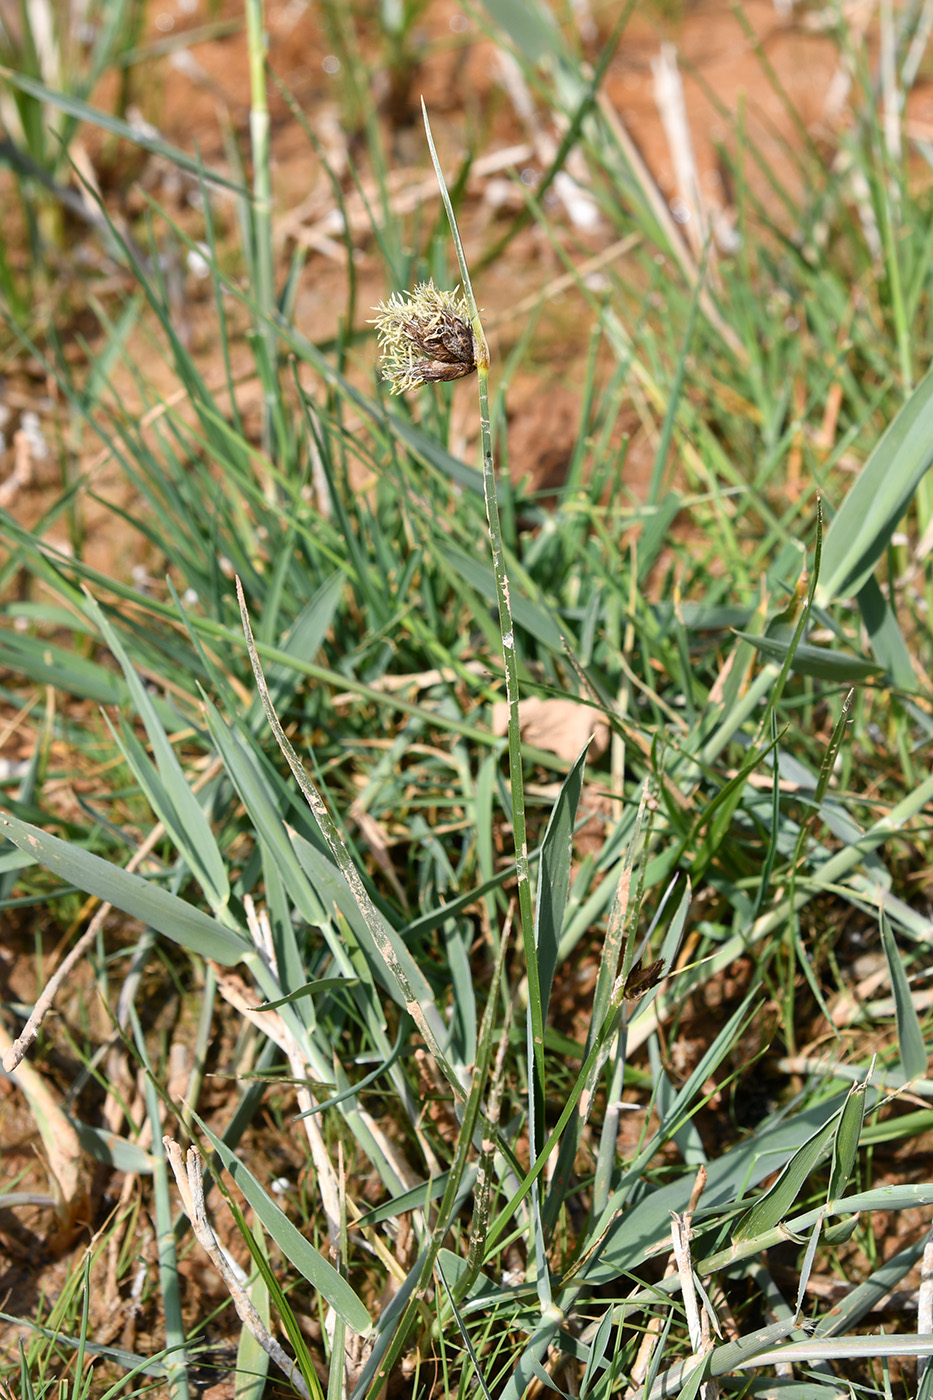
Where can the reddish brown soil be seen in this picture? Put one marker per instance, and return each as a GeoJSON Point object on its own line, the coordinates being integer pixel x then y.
{"type": "Point", "coordinates": [194, 97]}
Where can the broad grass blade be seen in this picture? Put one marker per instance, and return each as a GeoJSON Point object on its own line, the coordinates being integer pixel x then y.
{"type": "Point", "coordinates": [528, 614]}
{"type": "Point", "coordinates": [864, 524]}
{"type": "Point", "coordinates": [142, 899]}
{"type": "Point", "coordinates": [854, 1306]}
{"type": "Point", "coordinates": [775, 1204]}
{"type": "Point", "coordinates": [259, 798]}
{"type": "Point", "coordinates": [554, 877]}
{"type": "Point", "coordinates": [48, 664]}
{"type": "Point", "coordinates": [909, 1033]}
{"type": "Point", "coordinates": [172, 799]}
{"type": "Point", "coordinates": [846, 1145]}
{"type": "Point", "coordinates": [297, 1250]}
{"type": "Point", "coordinates": [840, 1348]}
{"type": "Point", "coordinates": [839, 667]}
{"type": "Point", "coordinates": [886, 638]}
{"type": "Point", "coordinates": [303, 640]}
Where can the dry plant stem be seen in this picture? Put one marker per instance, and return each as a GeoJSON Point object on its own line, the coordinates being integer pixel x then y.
{"type": "Point", "coordinates": [659, 209]}
{"type": "Point", "coordinates": [258, 924]}
{"type": "Point", "coordinates": [669, 98]}
{"type": "Point", "coordinates": [238, 995]}
{"type": "Point", "coordinates": [63, 1149]}
{"type": "Point", "coordinates": [699, 1337]}
{"type": "Point", "coordinates": [648, 1343]}
{"type": "Point", "coordinates": [262, 207]}
{"type": "Point", "coordinates": [925, 1302]}
{"type": "Point", "coordinates": [680, 1239]}
{"type": "Point", "coordinates": [188, 1178]}
{"type": "Point", "coordinates": [363, 208]}
{"type": "Point", "coordinates": [567, 280]}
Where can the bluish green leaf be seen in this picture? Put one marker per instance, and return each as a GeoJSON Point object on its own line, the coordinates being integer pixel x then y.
{"type": "Point", "coordinates": [836, 666]}
{"type": "Point", "coordinates": [554, 877]}
{"type": "Point", "coordinates": [142, 899]}
{"type": "Point", "coordinates": [775, 1205]}
{"type": "Point", "coordinates": [846, 1145]}
{"type": "Point", "coordinates": [136, 135]}
{"type": "Point", "coordinates": [909, 1033]}
{"type": "Point", "coordinates": [528, 614]}
{"type": "Point", "coordinates": [297, 1250]}
{"type": "Point", "coordinates": [862, 527]}
{"type": "Point", "coordinates": [172, 799]}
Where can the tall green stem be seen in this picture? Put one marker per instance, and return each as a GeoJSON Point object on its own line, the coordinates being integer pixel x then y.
{"type": "Point", "coordinates": [261, 222]}
{"type": "Point", "coordinates": [509, 655]}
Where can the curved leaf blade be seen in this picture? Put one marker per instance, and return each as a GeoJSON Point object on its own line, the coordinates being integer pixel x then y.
{"type": "Point", "coordinates": [297, 1250]}
{"type": "Point", "coordinates": [818, 662]}
{"type": "Point", "coordinates": [864, 524]}
{"type": "Point", "coordinates": [142, 899]}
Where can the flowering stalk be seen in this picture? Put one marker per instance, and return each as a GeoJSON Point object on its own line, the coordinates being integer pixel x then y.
{"type": "Point", "coordinates": [262, 254]}
{"type": "Point", "coordinates": [428, 336]}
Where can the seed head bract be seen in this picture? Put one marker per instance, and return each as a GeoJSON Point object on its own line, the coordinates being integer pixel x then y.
{"type": "Point", "coordinates": [425, 336]}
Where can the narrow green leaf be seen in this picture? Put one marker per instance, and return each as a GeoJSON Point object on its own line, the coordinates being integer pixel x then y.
{"type": "Point", "coordinates": [886, 638]}
{"type": "Point", "coordinates": [252, 1360]}
{"type": "Point", "coordinates": [849, 1311]}
{"type": "Point", "coordinates": [536, 1349]}
{"type": "Point", "coordinates": [554, 877]}
{"type": "Point", "coordinates": [841, 1231]}
{"type": "Point", "coordinates": [282, 1306]}
{"type": "Point", "coordinates": [530, 26]}
{"type": "Point", "coordinates": [48, 664]}
{"type": "Point", "coordinates": [775, 1204]}
{"type": "Point", "coordinates": [633, 1232]}
{"type": "Point", "coordinates": [15, 860]}
{"type": "Point", "coordinates": [596, 1362]}
{"type": "Point", "coordinates": [143, 899]}
{"type": "Point", "coordinates": [304, 639]}
{"type": "Point", "coordinates": [244, 770]}
{"type": "Point", "coordinates": [909, 1033]}
{"type": "Point", "coordinates": [131, 1361]}
{"type": "Point", "coordinates": [315, 988]}
{"type": "Point", "coordinates": [297, 1250]}
{"type": "Point", "coordinates": [839, 1348]}
{"type": "Point", "coordinates": [720, 1361]}
{"type": "Point", "coordinates": [332, 890]}
{"type": "Point", "coordinates": [113, 1150]}
{"type": "Point", "coordinates": [818, 662]}
{"type": "Point", "coordinates": [846, 1145]}
{"type": "Point", "coordinates": [74, 107]}
{"type": "Point", "coordinates": [864, 524]}
{"type": "Point", "coordinates": [530, 615]}
{"type": "Point", "coordinates": [176, 805]}
{"type": "Point", "coordinates": [414, 1199]}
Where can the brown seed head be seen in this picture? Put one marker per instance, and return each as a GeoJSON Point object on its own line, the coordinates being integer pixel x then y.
{"type": "Point", "coordinates": [425, 337]}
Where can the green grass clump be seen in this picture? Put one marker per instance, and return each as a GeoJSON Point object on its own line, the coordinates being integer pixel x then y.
{"type": "Point", "coordinates": [569, 1112]}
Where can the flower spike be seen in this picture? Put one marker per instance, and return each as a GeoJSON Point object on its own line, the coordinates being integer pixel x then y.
{"type": "Point", "coordinates": [425, 336]}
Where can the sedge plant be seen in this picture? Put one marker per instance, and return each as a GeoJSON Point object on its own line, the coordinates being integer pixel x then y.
{"type": "Point", "coordinates": [335, 950]}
